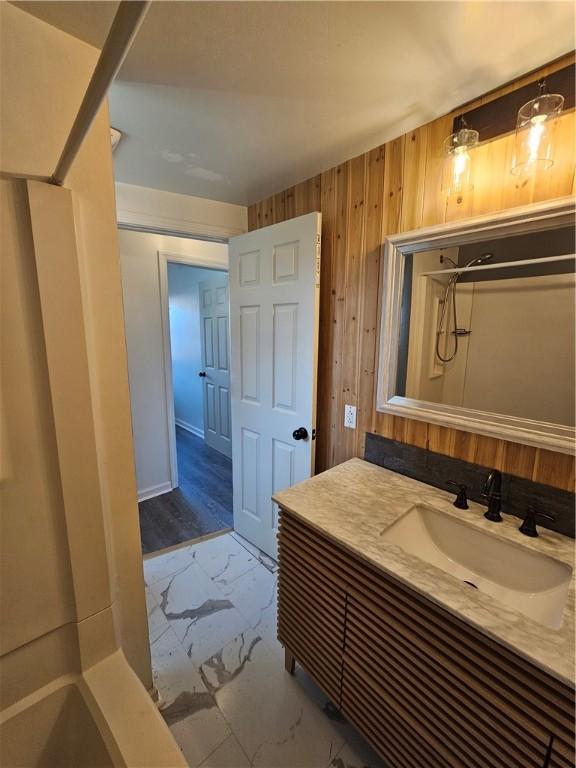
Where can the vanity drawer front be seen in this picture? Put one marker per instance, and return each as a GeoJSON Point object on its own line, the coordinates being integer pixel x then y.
{"type": "Point", "coordinates": [559, 759]}
{"type": "Point", "coordinates": [311, 608]}
{"type": "Point", "coordinates": [506, 706]}
{"type": "Point", "coordinates": [438, 693]}
{"type": "Point", "coordinates": [454, 711]}
{"type": "Point", "coordinates": [376, 716]}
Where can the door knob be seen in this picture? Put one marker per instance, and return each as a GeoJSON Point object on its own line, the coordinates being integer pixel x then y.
{"type": "Point", "coordinates": [202, 373]}
{"type": "Point", "coordinates": [300, 434]}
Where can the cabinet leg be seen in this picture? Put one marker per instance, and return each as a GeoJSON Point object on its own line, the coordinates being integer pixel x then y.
{"type": "Point", "coordinates": [289, 661]}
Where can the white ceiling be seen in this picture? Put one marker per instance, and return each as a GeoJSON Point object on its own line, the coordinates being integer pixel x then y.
{"type": "Point", "coordinates": [237, 100]}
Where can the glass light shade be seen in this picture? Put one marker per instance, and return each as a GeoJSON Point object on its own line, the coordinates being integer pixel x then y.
{"type": "Point", "coordinates": [457, 175]}
{"type": "Point", "coordinates": [535, 130]}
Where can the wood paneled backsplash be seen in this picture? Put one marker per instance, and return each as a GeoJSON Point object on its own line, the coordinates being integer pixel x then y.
{"type": "Point", "coordinates": [395, 188]}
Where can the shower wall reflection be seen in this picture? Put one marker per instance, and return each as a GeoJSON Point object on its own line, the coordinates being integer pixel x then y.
{"type": "Point", "coordinates": [491, 327]}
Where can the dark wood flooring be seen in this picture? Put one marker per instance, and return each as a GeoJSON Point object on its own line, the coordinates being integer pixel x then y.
{"type": "Point", "coordinates": [201, 504]}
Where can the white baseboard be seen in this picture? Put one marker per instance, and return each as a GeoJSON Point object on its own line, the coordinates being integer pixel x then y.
{"type": "Point", "coordinates": [154, 490]}
{"type": "Point", "coordinates": [190, 428]}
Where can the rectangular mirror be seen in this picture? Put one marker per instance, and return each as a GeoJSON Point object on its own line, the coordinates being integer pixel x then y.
{"type": "Point", "coordinates": [478, 326]}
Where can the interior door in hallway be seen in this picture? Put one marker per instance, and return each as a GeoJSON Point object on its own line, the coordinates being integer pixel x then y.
{"type": "Point", "coordinates": [274, 305]}
{"type": "Point", "coordinates": [215, 373]}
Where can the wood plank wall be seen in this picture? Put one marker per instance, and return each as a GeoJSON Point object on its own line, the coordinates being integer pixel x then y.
{"type": "Point", "coordinates": [395, 188]}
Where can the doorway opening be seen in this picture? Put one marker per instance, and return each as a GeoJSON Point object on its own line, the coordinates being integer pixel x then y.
{"type": "Point", "coordinates": [197, 354]}
{"type": "Point", "coordinates": [176, 311]}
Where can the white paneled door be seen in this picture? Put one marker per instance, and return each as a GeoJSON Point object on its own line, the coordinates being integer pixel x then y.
{"type": "Point", "coordinates": [274, 304]}
{"type": "Point", "coordinates": [215, 373]}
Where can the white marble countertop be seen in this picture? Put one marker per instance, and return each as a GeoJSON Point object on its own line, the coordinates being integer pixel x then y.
{"type": "Point", "coordinates": [355, 502]}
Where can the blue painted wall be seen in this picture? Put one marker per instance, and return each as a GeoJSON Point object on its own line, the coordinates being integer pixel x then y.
{"type": "Point", "coordinates": [185, 341]}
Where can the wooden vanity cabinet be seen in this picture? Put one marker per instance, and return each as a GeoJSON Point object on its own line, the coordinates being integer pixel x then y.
{"type": "Point", "coordinates": [424, 687]}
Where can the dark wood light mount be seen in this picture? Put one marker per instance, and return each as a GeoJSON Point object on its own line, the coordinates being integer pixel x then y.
{"type": "Point", "coordinates": [499, 116]}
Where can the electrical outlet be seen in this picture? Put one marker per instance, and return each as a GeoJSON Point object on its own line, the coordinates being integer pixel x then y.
{"type": "Point", "coordinates": [350, 416]}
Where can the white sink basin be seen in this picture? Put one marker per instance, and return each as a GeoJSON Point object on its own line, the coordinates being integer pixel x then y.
{"type": "Point", "coordinates": [526, 581]}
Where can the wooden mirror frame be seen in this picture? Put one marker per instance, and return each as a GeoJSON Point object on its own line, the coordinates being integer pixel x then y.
{"type": "Point", "coordinates": [514, 221]}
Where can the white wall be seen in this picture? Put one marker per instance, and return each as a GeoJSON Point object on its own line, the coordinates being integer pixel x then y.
{"type": "Point", "coordinates": [519, 359]}
{"type": "Point", "coordinates": [186, 348]}
{"type": "Point", "coordinates": [144, 340]}
{"type": "Point", "coordinates": [71, 565]}
{"type": "Point", "coordinates": [156, 209]}
{"type": "Point", "coordinates": [522, 362]}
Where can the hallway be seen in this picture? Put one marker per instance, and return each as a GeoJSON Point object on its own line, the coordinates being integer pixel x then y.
{"type": "Point", "coordinates": [201, 505]}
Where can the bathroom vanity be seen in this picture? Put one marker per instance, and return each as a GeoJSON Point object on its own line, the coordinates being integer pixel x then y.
{"type": "Point", "coordinates": [436, 667]}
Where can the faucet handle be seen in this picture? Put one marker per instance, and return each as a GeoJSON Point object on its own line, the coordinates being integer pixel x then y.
{"type": "Point", "coordinates": [461, 502]}
{"type": "Point", "coordinates": [528, 527]}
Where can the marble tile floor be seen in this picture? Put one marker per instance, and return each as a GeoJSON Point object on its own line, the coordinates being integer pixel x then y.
{"type": "Point", "coordinates": [219, 668]}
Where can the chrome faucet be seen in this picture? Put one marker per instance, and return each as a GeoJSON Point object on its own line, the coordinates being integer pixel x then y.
{"type": "Point", "coordinates": [493, 492]}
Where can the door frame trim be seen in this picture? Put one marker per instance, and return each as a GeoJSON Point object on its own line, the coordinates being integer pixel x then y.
{"type": "Point", "coordinates": [165, 258]}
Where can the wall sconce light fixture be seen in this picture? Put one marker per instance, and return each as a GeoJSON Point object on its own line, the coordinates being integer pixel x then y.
{"type": "Point", "coordinates": [457, 175]}
{"type": "Point", "coordinates": [535, 128]}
